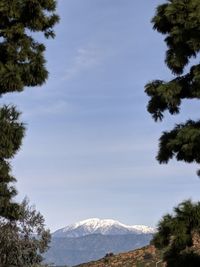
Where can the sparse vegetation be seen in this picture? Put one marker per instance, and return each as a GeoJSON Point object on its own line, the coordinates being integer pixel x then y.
{"type": "Point", "coordinates": [136, 258]}
{"type": "Point", "coordinates": [23, 241]}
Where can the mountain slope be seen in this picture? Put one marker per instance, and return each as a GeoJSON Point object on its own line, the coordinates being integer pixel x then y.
{"type": "Point", "coordinates": [93, 238]}
{"type": "Point", "coordinates": [146, 256]}
{"type": "Point", "coordinates": [104, 227]}
{"type": "Point", "coordinates": [73, 251]}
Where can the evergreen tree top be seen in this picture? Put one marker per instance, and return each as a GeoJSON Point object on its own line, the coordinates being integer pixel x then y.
{"type": "Point", "coordinates": [179, 21]}
{"type": "Point", "coordinates": [17, 16]}
{"type": "Point", "coordinates": [176, 235]}
{"type": "Point", "coordinates": [22, 61]}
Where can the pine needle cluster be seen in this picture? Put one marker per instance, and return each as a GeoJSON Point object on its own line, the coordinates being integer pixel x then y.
{"type": "Point", "coordinates": [179, 21]}
{"type": "Point", "coordinates": [178, 235]}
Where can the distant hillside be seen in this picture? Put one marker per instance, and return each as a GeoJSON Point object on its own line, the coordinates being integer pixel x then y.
{"type": "Point", "coordinates": [73, 251]}
{"type": "Point", "coordinates": [144, 257]}
{"type": "Point", "coordinates": [93, 238]}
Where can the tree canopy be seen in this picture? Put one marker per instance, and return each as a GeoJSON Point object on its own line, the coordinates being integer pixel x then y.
{"type": "Point", "coordinates": [179, 21]}
{"type": "Point", "coordinates": [22, 61]}
{"type": "Point", "coordinates": [23, 236]}
{"type": "Point", "coordinates": [179, 235]}
{"type": "Point", "coordinates": [11, 134]}
{"type": "Point", "coordinates": [22, 241]}
{"type": "Point", "coordinates": [22, 64]}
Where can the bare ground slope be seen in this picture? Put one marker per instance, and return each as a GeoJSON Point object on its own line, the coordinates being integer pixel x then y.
{"type": "Point", "coordinates": [146, 256]}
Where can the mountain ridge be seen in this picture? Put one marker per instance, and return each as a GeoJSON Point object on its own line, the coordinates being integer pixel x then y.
{"type": "Point", "coordinates": [101, 226]}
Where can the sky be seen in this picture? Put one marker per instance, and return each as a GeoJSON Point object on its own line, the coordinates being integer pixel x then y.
{"type": "Point", "coordinates": [90, 143]}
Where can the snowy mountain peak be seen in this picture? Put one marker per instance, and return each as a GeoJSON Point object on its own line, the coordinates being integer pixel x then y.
{"type": "Point", "coordinates": [96, 223]}
{"type": "Point", "coordinates": [104, 227]}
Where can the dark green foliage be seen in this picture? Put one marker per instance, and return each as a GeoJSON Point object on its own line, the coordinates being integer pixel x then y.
{"type": "Point", "coordinates": [180, 22]}
{"type": "Point", "coordinates": [183, 142]}
{"type": "Point", "coordinates": [8, 209]}
{"type": "Point", "coordinates": [22, 64]}
{"type": "Point", "coordinates": [11, 134]}
{"type": "Point", "coordinates": [22, 60]}
{"type": "Point", "coordinates": [23, 241]}
{"type": "Point", "coordinates": [176, 234]}
{"type": "Point", "coordinates": [186, 259]}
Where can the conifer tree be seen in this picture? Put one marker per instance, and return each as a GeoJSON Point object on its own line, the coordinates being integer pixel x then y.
{"type": "Point", "coordinates": [23, 236]}
{"type": "Point", "coordinates": [11, 134]}
{"type": "Point", "coordinates": [178, 236]}
{"type": "Point", "coordinates": [179, 21]}
{"type": "Point", "coordinates": [22, 64]}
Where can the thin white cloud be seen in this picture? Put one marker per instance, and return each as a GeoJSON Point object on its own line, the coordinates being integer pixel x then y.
{"type": "Point", "coordinates": [86, 58]}
{"type": "Point", "coordinates": [48, 109]}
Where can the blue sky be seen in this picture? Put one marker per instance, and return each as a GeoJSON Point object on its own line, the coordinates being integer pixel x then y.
{"type": "Point", "coordinates": [90, 144]}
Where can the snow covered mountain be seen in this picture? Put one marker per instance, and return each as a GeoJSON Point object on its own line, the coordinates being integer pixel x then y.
{"type": "Point", "coordinates": [92, 239]}
{"type": "Point", "coordinates": [104, 227]}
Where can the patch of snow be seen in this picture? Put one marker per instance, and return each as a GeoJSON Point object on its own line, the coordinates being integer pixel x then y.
{"type": "Point", "coordinates": [105, 227]}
